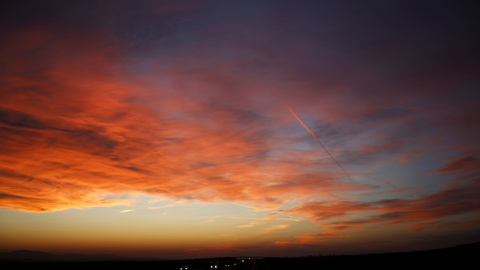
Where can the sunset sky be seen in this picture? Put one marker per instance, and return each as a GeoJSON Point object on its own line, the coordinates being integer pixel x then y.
{"type": "Point", "coordinates": [231, 128]}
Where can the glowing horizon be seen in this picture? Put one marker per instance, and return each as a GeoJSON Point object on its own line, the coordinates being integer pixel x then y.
{"type": "Point", "coordinates": [137, 128]}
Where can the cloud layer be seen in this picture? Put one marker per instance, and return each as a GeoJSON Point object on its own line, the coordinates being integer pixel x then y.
{"type": "Point", "coordinates": [177, 101]}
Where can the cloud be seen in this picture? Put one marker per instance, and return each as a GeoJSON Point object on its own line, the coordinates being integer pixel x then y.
{"type": "Point", "coordinates": [422, 213]}
{"type": "Point", "coordinates": [428, 213]}
{"type": "Point", "coordinates": [162, 206]}
{"type": "Point", "coordinates": [84, 131]}
{"type": "Point", "coordinates": [468, 163]}
{"type": "Point", "coordinates": [165, 106]}
{"type": "Point", "coordinates": [78, 133]}
{"type": "Point", "coordinates": [245, 226]}
{"type": "Point", "coordinates": [310, 239]}
{"type": "Point", "coordinates": [276, 227]}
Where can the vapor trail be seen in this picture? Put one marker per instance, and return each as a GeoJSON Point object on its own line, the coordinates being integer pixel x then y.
{"type": "Point", "coordinates": [293, 113]}
{"type": "Point", "coordinates": [309, 131]}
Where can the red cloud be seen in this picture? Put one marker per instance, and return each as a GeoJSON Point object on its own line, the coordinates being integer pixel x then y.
{"type": "Point", "coordinates": [78, 128]}
{"type": "Point", "coordinates": [77, 133]}
{"type": "Point", "coordinates": [463, 164]}
{"type": "Point", "coordinates": [423, 213]}
{"type": "Point", "coordinates": [310, 238]}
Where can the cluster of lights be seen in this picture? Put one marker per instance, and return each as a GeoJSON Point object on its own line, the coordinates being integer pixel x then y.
{"type": "Point", "coordinates": [215, 266]}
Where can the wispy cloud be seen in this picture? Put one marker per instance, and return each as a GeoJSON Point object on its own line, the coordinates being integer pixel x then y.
{"type": "Point", "coordinates": [276, 227]}
{"type": "Point", "coordinates": [162, 206]}
{"type": "Point", "coordinates": [417, 214]}
{"type": "Point", "coordinates": [246, 225]}
{"type": "Point", "coordinates": [97, 105]}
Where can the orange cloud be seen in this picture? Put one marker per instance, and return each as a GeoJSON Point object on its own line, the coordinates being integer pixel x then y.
{"type": "Point", "coordinates": [419, 214]}
{"type": "Point", "coordinates": [310, 238]}
{"type": "Point", "coordinates": [80, 134]}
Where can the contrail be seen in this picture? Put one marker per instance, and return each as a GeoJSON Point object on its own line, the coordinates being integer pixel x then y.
{"type": "Point", "coordinates": [305, 126]}
{"type": "Point", "coordinates": [293, 113]}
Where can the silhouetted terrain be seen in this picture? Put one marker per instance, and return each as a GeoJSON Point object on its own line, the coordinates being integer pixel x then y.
{"type": "Point", "coordinates": [459, 257]}
{"type": "Point", "coordinates": [38, 256]}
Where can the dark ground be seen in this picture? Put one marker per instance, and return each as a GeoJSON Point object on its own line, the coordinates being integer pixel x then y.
{"type": "Point", "coordinates": [460, 257]}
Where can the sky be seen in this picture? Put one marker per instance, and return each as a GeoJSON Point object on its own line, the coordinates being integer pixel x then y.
{"type": "Point", "coordinates": [183, 129]}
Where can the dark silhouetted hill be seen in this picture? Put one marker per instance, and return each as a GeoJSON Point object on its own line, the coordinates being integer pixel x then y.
{"type": "Point", "coordinates": [458, 257]}
{"type": "Point", "coordinates": [38, 256]}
